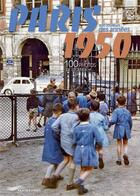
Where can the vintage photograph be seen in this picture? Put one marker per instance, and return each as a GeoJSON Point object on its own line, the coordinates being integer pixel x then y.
{"type": "Point", "coordinates": [69, 97]}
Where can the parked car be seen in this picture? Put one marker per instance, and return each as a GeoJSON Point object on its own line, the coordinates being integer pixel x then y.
{"type": "Point", "coordinates": [18, 85]}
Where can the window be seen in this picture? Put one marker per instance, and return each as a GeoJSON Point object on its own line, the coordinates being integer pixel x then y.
{"type": "Point", "coordinates": [89, 3]}
{"type": "Point", "coordinates": [82, 3]}
{"type": "Point", "coordinates": [16, 82]}
{"type": "Point", "coordinates": [34, 3]}
{"type": "Point", "coordinates": [25, 82]}
{"type": "Point", "coordinates": [134, 64]}
{"type": "Point", "coordinates": [1, 6]}
{"type": "Point", "coordinates": [130, 3]}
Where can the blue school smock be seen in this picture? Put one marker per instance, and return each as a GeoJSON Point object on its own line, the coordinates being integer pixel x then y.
{"type": "Point", "coordinates": [60, 99]}
{"type": "Point", "coordinates": [121, 117]}
{"type": "Point", "coordinates": [99, 121]}
{"type": "Point", "coordinates": [65, 106]}
{"type": "Point", "coordinates": [82, 101]}
{"type": "Point", "coordinates": [51, 150]}
{"type": "Point", "coordinates": [104, 111]}
{"type": "Point", "coordinates": [84, 137]}
{"type": "Point", "coordinates": [65, 124]}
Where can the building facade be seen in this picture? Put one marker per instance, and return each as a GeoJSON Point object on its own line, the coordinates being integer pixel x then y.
{"type": "Point", "coordinates": [25, 54]}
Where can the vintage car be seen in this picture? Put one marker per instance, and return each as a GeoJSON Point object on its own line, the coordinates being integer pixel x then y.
{"type": "Point", "coordinates": [18, 85]}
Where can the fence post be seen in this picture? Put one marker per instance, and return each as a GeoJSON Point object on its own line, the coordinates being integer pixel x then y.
{"type": "Point", "coordinates": [15, 120]}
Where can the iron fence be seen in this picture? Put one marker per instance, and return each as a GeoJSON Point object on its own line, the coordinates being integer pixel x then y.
{"type": "Point", "coordinates": [106, 75]}
{"type": "Point", "coordinates": [14, 118]}
{"type": "Point", "coordinates": [6, 118]}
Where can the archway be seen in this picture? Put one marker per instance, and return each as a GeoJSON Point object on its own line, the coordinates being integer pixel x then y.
{"type": "Point", "coordinates": [34, 58]}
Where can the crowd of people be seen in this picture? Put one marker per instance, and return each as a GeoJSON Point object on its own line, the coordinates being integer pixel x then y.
{"type": "Point", "coordinates": [78, 137]}
{"type": "Point", "coordinates": [75, 133]}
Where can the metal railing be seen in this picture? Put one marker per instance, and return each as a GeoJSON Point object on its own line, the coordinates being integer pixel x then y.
{"type": "Point", "coordinates": [14, 118]}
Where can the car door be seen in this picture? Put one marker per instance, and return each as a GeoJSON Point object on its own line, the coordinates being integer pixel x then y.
{"type": "Point", "coordinates": [16, 86]}
{"type": "Point", "coordinates": [27, 85]}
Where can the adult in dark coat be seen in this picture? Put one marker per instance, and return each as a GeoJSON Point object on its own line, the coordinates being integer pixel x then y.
{"type": "Point", "coordinates": [132, 101]}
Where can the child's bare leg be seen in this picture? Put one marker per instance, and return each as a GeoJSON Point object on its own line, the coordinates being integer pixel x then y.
{"type": "Point", "coordinates": [99, 149]}
{"type": "Point", "coordinates": [47, 180]}
{"type": "Point", "coordinates": [71, 170]}
{"type": "Point", "coordinates": [125, 151]}
{"type": "Point", "coordinates": [40, 117]}
{"type": "Point", "coordinates": [125, 146]}
{"type": "Point", "coordinates": [59, 169]}
{"type": "Point", "coordinates": [85, 172]}
{"type": "Point", "coordinates": [35, 123]}
{"type": "Point", "coordinates": [50, 170]}
{"type": "Point", "coordinates": [29, 123]}
{"type": "Point", "coordinates": [61, 166]}
{"type": "Point", "coordinates": [101, 162]}
{"type": "Point", "coordinates": [119, 151]}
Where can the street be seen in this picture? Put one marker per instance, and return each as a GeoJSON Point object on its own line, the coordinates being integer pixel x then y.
{"type": "Point", "coordinates": [21, 171]}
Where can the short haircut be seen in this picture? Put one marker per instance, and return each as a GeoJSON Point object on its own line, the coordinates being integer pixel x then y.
{"type": "Point", "coordinates": [101, 96]}
{"type": "Point", "coordinates": [121, 100]}
{"type": "Point", "coordinates": [83, 114]}
{"type": "Point", "coordinates": [95, 105]}
{"type": "Point", "coordinates": [50, 87]}
{"type": "Point", "coordinates": [33, 92]}
{"type": "Point", "coordinates": [57, 108]}
{"type": "Point", "coordinates": [71, 95]}
{"type": "Point", "coordinates": [72, 103]}
{"type": "Point", "coordinates": [78, 89]}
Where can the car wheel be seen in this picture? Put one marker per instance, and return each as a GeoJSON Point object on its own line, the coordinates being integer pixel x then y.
{"type": "Point", "coordinates": [8, 92]}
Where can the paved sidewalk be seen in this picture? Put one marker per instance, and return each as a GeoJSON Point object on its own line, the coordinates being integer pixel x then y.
{"type": "Point", "coordinates": [21, 172]}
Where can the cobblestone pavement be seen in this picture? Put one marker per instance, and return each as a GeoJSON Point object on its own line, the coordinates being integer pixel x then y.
{"type": "Point", "coordinates": [21, 172]}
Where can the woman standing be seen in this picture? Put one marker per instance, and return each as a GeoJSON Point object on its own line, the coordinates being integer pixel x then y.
{"type": "Point", "coordinates": [132, 101]}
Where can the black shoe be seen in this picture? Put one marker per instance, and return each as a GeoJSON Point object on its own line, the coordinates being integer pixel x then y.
{"type": "Point", "coordinates": [126, 160]}
{"type": "Point", "coordinates": [118, 162]}
{"type": "Point", "coordinates": [39, 125]}
{"type": "Point", "coordinates": [82, 190]}
{"type": "Point", "coordinates": [101, 163]}
{"type": "Point", "coordinates": [28, 130]}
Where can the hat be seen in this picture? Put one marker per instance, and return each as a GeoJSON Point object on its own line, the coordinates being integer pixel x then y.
{"type": "Point", "coordinates": [93, 94]}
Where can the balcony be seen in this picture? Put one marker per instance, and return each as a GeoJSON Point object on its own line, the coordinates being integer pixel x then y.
{"type": "Point", "coordinates": [131, 14]}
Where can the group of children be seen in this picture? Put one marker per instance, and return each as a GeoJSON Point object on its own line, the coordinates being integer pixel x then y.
{"type": "Point", "coordinates": [77, 137]}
